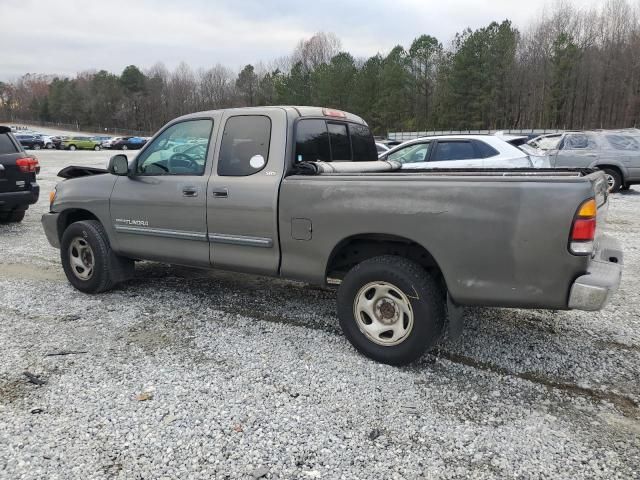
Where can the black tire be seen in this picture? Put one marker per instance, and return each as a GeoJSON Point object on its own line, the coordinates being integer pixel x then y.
{"type": "Point", "coordinates": [36, 146]}
{"type": "Point", "coordinates": [124, 147]}
{"type": "Point", "coordinates": [426, 298]}
{"type": "Point", "coordinates": [96, 148]}
{"type": "Point", "coordinates": [15, 216]}
{"type": "Point", "coordinates": [108, 268]}
{"type": "Point", "coordinates": [72, 147]}
{"type": "Point", "coordinates": [615, 178]}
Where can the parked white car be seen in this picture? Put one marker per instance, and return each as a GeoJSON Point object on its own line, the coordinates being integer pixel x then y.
{"type": "Point", "coordinates": [107, 143]}
{"type": "Point", "coordinates": [458, 151]}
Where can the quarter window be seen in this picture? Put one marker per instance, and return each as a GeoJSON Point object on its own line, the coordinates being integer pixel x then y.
{"type": "Point", "coordinates": [179, 150]}
{"type": "Point", "coordinates": [579, 142]}
{"type": "Point", "coordinates": [245, 146]}
{"type": "Point", "coordinates": [6, 145]}
{"type": "Point", "coordinates": [412, 153]}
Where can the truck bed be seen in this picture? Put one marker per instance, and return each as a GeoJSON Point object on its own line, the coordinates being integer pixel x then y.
{"type": "Point", "coordinates": [499, 237]}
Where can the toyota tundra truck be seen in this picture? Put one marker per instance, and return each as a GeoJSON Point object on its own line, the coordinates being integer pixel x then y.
{"type": "Point", "coordinates": [298, 193]}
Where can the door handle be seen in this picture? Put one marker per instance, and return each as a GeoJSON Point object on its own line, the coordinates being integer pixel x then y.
{"type": "Point", "coordinates": [220, 193]}
{"type": "Point", "coordinates": [189, 192]}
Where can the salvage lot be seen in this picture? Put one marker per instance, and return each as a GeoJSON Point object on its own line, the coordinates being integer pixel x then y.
{"type": "Point", "coordinates": [194, 374]}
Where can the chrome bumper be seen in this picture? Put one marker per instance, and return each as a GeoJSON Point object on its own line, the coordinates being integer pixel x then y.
{"type": "Point", "coordinates": [593, 290]}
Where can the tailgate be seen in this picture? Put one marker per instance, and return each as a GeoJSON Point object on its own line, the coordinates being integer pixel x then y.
{"type": "Point", "coordinates": [601, 194]}
{"type": "Point", "coordinates": [11, 178]}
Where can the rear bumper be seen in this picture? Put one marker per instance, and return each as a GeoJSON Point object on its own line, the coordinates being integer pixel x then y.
{"type": "Point", "coordinates": [12, 200]}
{"type": "Point", "coordinates": [593, 290]}
{"type": "Point", "coordinates": [50, 226]}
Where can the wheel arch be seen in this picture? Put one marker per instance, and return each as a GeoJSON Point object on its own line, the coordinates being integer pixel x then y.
{"type": "Point", "coordinates": [72, 215]}
{"type": "Point", "coordinates": [357, 248]}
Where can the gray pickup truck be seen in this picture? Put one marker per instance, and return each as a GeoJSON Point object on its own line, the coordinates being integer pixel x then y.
{"type": "Point", "coordinates": [297, 192]}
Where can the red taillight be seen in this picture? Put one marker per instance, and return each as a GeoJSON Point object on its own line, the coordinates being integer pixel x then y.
{"type": "Point", "coordinates": [27, 165]}
{"type": "Point", "coordinates": [583, 230]}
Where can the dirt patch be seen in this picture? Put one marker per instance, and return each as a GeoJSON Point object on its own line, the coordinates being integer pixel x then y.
{"type": "Point", "coordinates": [626, 405]}
{"type": "Point", "coordinates": [19, 271]}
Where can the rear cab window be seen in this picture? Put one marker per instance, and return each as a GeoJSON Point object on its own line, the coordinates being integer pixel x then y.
{"type": "Point", "coordinates": [331, 140]}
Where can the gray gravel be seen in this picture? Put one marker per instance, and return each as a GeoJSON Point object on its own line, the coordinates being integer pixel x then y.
{"type": "Point", "coordinates": [195, 374]}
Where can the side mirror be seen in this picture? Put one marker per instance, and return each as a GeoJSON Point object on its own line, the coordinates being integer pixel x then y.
{"type": "Point", "coordinates": [118, 165]}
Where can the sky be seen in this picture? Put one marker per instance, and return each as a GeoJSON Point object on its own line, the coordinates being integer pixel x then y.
{"type": "Point", "coordinates": [68, 36]}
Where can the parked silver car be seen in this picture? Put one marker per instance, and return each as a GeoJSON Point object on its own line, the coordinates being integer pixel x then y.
{"type": "Point", "coordinates": [616, 152]}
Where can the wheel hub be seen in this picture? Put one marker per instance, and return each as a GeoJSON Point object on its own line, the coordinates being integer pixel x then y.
{"type": "Point", "coordinates": [387, 311]}
{"type": "Point", "coordinates": [383, 313]}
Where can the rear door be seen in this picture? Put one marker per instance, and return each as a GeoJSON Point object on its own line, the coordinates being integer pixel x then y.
{"type": "Point", "coordinates": [242, 205]}
{"type": "Point", "coordinates": [576, 150]}
{"type": "Point", "coordinates": [159, 211]}
{"type": "Point", "coordinates": [455, 154]}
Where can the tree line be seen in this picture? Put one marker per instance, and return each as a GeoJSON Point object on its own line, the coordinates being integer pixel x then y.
{"type": "Point", "coordinates": [571, 68]}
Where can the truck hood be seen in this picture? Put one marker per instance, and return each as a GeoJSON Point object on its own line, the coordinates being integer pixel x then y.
{"type": "Point", "coordinates": [75, 171]}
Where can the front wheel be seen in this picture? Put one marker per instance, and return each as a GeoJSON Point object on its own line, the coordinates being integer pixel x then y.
{"type": "Point", "coordinates": [391, 309]}
{"type": "Point", "coordinates": [72, 147]}
{"type": "Point", "coordinates": [124, 147]}
{"type": "Point", "coordinates": [36, 146]}
{"type": "Point", "coordinates": [87, 259]}
{"type": "Point", "coordinates": [96, 148]}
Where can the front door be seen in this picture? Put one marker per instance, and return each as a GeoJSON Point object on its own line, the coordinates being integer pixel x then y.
{"type": "Point", "coordinates": [159, 211]}
{"type": "Point", "coordinates": [242, 206]}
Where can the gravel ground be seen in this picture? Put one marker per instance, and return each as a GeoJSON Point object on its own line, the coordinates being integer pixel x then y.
{"type": "Point", "coordinates": [183, 373]}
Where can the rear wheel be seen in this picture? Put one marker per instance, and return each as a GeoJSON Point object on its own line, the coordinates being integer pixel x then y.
{"type": "Point", "coordinates": [15, 216]}
{"type": "Point", "coordinates": [72, 147]}
{"type": "Point", "coordinates": [614, 180]}
{"type": "Point", "coordinates": [391, 309]}
{"type": "Point", "coordinates": [88, 261]}
{"type": "Point", "coordinates": [36, 146]}
{"type": "Point", "coordinates": [96, 148]}
{"type": "Point", "coordinates": [124, 147]}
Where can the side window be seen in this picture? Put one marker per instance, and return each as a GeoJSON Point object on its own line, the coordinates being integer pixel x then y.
{"type": "Point", "coordinates": [486, 150]}
{"type": "Point", "coordinates": [245, 146]}
{"type": "Point", "coordinates": [623, 142]}
{"type": "Point", "coordinates": [362, 143]}
{"type": "Point", "coordinates": [339, 138]}
{"type": "Point", "coordinates": [579, 141]}
{"type": "Point", "coordinates": [312, 141]}
{"type": "Point", "coordinates": [162, 157]}
{"type": "Point", "coordinates": [454, 150]}
{"type": "Point", "coordinates": [412, 153]}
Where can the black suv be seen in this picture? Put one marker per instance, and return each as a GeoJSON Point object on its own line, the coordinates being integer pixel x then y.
{"type": "Point", "coordinates": [18, 187]}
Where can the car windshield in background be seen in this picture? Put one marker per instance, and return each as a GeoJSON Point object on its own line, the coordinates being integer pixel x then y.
{"type": "Point", "coordinates": [623, 142]}
{"type": "Point", "coordinates": [321, 140]}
